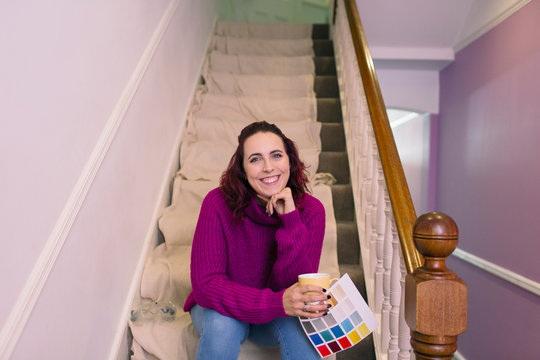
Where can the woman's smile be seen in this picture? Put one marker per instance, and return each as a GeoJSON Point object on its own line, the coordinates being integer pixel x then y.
{"type": "Point", "coordinates": [270, 180]}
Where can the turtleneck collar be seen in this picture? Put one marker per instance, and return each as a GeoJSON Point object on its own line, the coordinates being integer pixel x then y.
{"type": "Point", "coordinates": [257, 214]}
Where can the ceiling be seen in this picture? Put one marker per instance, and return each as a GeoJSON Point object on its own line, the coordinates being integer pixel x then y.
{"type": "Point", "coordinates": [427, 33]}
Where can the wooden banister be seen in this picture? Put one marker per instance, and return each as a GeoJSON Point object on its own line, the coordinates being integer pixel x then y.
{"type": "Point", "coordinates": [435, 297]}
{"type": "Point", "coordinates": [398, 189]}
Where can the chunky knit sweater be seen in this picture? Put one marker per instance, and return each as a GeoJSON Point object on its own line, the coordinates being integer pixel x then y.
{"type": "Point", "coordinates": [242, 267]}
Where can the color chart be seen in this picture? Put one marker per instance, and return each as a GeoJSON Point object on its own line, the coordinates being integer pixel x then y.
{"type": "Point", "coordinates": [348, 322]}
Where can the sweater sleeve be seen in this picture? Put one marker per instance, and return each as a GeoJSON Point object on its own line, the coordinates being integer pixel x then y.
{"type": "Point", "coordinates": [212, 288]}
{"type": "Point", "coordinates": [299, 244]}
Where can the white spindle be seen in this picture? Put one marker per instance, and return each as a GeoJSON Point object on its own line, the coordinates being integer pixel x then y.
{"type": "Point", "coordinates": [387, 263]}
{"type": "Point", "coordinates": [404, 331]}
{"type": "Point", "coordinates": [395, 295]}
{"type": "Point", "coordinates": [379, 231]}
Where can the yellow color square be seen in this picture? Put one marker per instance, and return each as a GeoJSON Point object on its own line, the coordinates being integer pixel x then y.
{"type": "Point", "coordinates": [364, 331]}
{"type": "Point", "coordinates": [354, 337]}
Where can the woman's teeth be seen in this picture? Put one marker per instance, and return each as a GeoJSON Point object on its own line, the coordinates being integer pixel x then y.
{"type": "Point", "coordinates": [270, 180]}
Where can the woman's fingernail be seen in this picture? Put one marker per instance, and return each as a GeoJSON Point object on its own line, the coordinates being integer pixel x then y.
{"type": "Point", "coordinates": [323, 290]}
{"type": "Point", "coordinates": [325, 314]}
{"type": "Point", "coordinates": [329, 306]}
{"type": "Point", "coordinates": [328, 297]}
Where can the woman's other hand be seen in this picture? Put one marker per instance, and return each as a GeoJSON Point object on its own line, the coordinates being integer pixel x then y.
{"type": "Point", "coordinates": [297, 303]}
{"type": "Point", "coordinates": [282, 202]}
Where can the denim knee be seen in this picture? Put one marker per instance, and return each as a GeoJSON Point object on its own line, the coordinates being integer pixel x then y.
{"type": "Point", "coordinates": [220, 336]}
{"type": "Point", "coordinates": [293, 342]}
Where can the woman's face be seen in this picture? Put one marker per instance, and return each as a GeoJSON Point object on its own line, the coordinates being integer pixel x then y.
{"type": "Point", "coordinates": [266, 164]}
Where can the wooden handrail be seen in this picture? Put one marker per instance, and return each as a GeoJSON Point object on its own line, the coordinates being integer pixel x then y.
{"type": "Point", "coordinates": [398, 190]}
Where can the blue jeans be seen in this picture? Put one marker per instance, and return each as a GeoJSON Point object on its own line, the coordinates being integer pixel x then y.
{"type": "Point", "coordinates": [221, 336]}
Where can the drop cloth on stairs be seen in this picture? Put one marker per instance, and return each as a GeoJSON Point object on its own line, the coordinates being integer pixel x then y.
{"type": "Point", "coordinates": [268, 47]}
{"type": "Point", "coordinates": [257, 64]}
{"type": "Point", "coordinates": [255, 108]}
{"type": "Point", "coordinates": [263, 31]}
{"type": "Point", "coordinates": [209, 143]}
{"type": "Point", "coordinates": [305, 133]}
{"type": "Point", "coordinates": [275, 86]}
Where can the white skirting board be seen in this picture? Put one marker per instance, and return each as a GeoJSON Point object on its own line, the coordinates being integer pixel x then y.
{"type": "Point", "coordinates": [499, 271]}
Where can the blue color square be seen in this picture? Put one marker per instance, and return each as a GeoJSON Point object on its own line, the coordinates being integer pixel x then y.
{"type": "Point", "coordinates": [356, 318]}
{"type": "Point", "coordinates": [347, 326]}
{"type": "Point", "coordinates": [337, 331]}
{"type": "Point", "coordinates": [327, 335]}
{"type": "Point", "coordinates": [316, 339]}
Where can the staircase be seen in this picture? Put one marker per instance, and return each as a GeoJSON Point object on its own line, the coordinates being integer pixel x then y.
{"type": "Point", "coordinates": [166, 275]}
{"type": "Point", "coordinates": [333, 159]}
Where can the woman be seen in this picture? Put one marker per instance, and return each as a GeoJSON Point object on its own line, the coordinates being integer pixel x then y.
{"type": "Point", "coordinates": [255, 234]}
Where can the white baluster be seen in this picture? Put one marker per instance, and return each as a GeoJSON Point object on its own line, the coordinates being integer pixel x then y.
{"type": "Point", "coordinates": [404, 331]}
{"type": "Point", "coordinates": [387, 263]}
{"type": "Point", "coordinates": [379, 238]}
{"type": "Point", "coordinates": [395, 295]}
{"type": "Point", "coordinates": [368, 179]}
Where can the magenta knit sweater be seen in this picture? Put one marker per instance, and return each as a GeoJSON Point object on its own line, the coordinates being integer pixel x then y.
{"type": "Point", "coordinates": [242, 267]}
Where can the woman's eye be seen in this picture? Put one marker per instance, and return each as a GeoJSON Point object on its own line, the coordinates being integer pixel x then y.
{"type": "Point", "coordinates": [277, 155]}
{"type": "Point", "coordinates": [252, 160]}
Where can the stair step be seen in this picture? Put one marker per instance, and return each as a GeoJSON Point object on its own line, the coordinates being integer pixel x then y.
{"type": "Point", "coordinates": [332, 137]}
{"type": "Point", "coordinates": [329, 110]}
{"type": "Point", "coordinates": [326, 86]}
{"type": "Point", "coordinates": [323, 47]}
{"type": "Point", "coordinates": [335, 163]}
{"type": "Point", "coordinates": [320, 31]}
{"type": "Point", "coordinates": [325, 65]}
{"type": "Point", "coordinates": [348, 245]}
{"type": "Point", "coordinates": [342, 196]}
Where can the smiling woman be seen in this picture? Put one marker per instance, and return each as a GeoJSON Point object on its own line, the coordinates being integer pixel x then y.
{"type": "Point", "coordinates": [255, 234]}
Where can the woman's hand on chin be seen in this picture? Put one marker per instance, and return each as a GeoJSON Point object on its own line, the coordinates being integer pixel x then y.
{"type": "Point", "coordinates": [282, 202]}
{"type": "Point", "coordinates": [297, 302]}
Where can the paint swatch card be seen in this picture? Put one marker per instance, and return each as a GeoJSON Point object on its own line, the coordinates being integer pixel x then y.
{"type": "Point", "coordinates": [348, 321]}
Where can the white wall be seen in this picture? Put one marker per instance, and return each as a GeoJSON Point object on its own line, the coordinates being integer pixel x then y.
{"type": "Point", "coordinates": [93, 100]}
{"type": "Point", "coordinates": [414, 89]}
{"type": "Point", "coordinates": [413, 143]}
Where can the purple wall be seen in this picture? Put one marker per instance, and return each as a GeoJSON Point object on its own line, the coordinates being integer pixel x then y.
{"type": "Point", "coordinates": [489, 181]}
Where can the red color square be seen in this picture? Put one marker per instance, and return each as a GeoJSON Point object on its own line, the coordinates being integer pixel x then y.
{"type": "Point", "coordinates": [345, 343]}
{"type": "Point", "coordinates": [323, 350]}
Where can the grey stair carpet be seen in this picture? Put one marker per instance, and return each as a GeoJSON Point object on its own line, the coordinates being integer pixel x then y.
{"type": "Point", "coordinates": [333, 159]}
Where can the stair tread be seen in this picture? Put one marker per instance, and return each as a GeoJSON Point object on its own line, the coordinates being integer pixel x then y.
{"type": "Point", "coordinates": [326, 86]}
{"type": "Point", "coordinates": [325, 65]}
{"type": "Point", "coordinates": [329, 110]}
{"type": "Point", "coordinates": [332, 137]}
{"type": "Point", "coordinates": [323, 47]}
{"type": "Point", "coordinates": [320, 31]}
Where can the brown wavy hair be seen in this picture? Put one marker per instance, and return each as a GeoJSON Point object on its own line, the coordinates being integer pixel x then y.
{"type": "Point", "coordinates": [234, 183]}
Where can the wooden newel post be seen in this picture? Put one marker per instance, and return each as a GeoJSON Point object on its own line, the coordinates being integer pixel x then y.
{"type": "Point", "coordinates": [435, 297]}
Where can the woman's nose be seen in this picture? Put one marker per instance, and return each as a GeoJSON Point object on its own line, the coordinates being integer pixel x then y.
{"type": "Point", "coordinates": [267, 166]}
